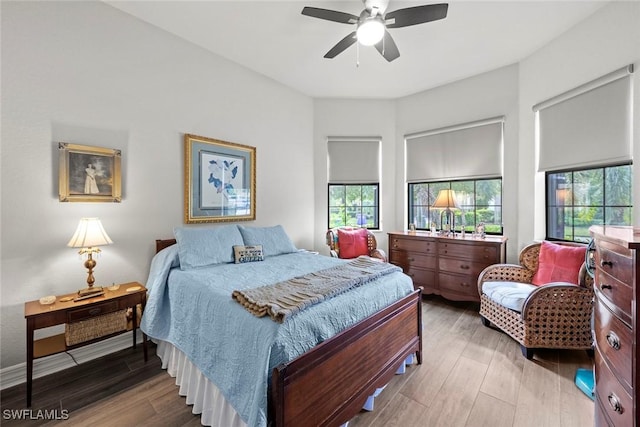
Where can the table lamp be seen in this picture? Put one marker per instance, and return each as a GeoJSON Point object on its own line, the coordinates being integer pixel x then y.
{"type": "Point", "coordinates": [446, 200]}
{"type": "Point", "coordinates": [87, 237]}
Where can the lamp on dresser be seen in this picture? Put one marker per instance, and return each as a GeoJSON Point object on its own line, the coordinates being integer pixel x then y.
{"type": "Point", "coordinates": [88, 236]}
{"type": "Point", "coordinates": [446, 200]}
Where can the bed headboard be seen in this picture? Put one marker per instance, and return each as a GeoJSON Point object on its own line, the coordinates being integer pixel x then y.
{"type": "Point", "coordinates": [164, 243]}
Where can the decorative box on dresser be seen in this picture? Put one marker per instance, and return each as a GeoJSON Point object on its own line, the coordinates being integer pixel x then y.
{"type": "Point", "coordinates": [616, 328]}
{"type": "Point", "coordinates": [447, 266]}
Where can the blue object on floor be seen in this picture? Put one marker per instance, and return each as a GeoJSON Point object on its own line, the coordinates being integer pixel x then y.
{"type": "Point", "coordinates": [584, 381]}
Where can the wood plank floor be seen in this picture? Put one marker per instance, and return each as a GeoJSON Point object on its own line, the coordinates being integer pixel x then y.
{"type": "Point", "coordinates": [471, 376]}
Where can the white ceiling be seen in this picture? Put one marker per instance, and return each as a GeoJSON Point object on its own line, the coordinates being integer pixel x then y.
{"type": "Point", "coordinates": [273, 38]}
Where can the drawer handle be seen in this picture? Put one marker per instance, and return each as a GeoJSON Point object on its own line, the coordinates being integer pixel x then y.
{"type": "Point", "coordinates": [614, 402]}
{"type": "Point", "coordinates": [613, 340]}
{"type": "Point", "coordinates": [412, 259]}
{"type": "Point", "coordinates": [605, 286]}
{"type": "Point", "coordinates": [606, 263]}
{"type": "Point", "coordinates": [464, 267]}
{"type": "Point", "coordinates": [95, 311]}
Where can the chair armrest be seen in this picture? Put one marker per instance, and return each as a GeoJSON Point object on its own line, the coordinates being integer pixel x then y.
{"type": "Point", "coordinates": [584, 279]}
{"type": "Point", "coordinates": [558, 298]}
{"type": "Point", "coordinates": [378, 253]}
{"type": "Point", "coordinates": [504, 273]}
{"type": "Point", "coordinates": [330, 239]}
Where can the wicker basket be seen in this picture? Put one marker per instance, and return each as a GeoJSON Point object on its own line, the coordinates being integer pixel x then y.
{"type": "Point", "coordinates": [95, 327]}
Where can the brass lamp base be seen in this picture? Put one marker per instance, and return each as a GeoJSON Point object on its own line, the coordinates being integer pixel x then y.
{"type": "Point", "coordinates": [90, 291]}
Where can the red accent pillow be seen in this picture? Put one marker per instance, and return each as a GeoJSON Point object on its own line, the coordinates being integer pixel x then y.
{"type": "Point", "coordinates": [352, 242]}
{"type": "Point", "coordinates": [558, 263]}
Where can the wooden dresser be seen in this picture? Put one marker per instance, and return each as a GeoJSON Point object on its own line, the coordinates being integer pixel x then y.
{"type": "Point", "coordinates": [446, 266]}
{"type": "Point", "coordinates": [616, 328]}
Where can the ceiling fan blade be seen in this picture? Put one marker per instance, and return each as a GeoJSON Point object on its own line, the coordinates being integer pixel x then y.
{"type": "Point", "coordinates": [330, 15]}
{"type": "Point", "coordinates": [341, 46]}
{"type": "Point", "coordinates": [416, 15]}
{"type": "Point", "coordinates": [387, 47]}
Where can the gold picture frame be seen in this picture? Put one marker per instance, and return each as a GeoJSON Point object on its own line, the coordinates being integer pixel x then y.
{"type": "Point", "coordinates": [89, 174]}
{"type": "Point", "coordinates": [219, 180]}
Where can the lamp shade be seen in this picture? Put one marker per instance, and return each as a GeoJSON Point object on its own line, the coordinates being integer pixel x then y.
{"type": "Point", "coordinates": [89, 233]}
{"type": "Point", "coordinates": [446, 199]}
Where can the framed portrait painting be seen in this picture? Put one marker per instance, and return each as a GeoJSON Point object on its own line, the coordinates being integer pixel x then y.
{"type": "Point", "coordinates": [220, 181]}
{"type": "Point", "coordinates": [89, 174]}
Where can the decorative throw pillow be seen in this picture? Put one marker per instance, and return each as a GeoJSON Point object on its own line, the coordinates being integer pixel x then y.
{"type": "Point", "coordinates": [248, 253]}
{"type": "Point", "coordinates": [200, 246]}
{"type": "Point", "coordinates": [274, 240]}
{"type": "Point", "coordinates": [558, 263]}
{"type": "Point", "coordinates": [352, 242]}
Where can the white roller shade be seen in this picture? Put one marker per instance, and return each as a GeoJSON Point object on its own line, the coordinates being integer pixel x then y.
{"type": "Point", "coordinates": [588, 126]}
{"type": "Point", "coordinates": [470, 150]}
{"type": "Point", "coordinates": [354, 160]}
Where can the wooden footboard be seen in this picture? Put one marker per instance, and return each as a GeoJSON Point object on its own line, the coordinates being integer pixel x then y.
{"type": "Point", "coordinates": [329, 384]}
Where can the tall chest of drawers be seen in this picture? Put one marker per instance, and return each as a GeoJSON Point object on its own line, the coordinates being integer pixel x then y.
{"type": "Point", "coordinates": [445, 266]}
{"type": "Point", "coordinates": [616, 328]}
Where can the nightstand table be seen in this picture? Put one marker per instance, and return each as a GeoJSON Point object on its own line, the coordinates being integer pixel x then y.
{"type": "Point", "coordinates": [43, 316]}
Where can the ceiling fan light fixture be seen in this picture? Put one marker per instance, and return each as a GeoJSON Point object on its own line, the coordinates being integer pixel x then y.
{"type": "Point", "coordinates": [370, 31]}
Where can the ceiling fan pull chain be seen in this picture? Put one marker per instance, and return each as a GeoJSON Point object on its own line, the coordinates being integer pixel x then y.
{"type": "Point", "coordinates": [357, 55]}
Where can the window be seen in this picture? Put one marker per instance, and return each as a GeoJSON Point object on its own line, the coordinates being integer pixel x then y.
{"type": "Point", "coordinates": [355, 205]}
{"type": "Point", "coordinates": [480, 200]}
{"type": "Point", "coordinates": [353, 170]}
{"type": "Point", "coordinates": [579, 198]}
{"type": "Point", "coordinates": [466, 158]}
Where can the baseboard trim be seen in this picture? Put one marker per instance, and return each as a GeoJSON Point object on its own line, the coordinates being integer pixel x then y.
{"type": "Point", "coordinates": [17, 374]}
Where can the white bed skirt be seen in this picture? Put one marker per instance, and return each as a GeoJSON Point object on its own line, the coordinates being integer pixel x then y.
{"type": "Point", "coordinates": [206, 398]}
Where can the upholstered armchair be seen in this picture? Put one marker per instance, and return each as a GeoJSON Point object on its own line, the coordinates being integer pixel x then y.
{"type": "Point", "coordinates": [351, 242]}
{"type": "Point", "coordinates": [549, 314]}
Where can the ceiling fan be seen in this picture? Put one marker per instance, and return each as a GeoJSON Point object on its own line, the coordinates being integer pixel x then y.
{"type": "Point", "coordinates": [373, 22]}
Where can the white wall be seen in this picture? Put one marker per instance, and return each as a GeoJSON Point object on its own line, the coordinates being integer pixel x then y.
{"type": "Point", "coordinates": [86, 73]}
{"type": "Point", "coordinates": [606, 41]}
{"type": "Point", "coordinates": [487, 95]}
{"type": "Point", "coordinates": [480, 97]}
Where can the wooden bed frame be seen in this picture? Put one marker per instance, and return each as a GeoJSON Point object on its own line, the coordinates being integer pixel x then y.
{"type": "Point", "coordinates": [329, 384]}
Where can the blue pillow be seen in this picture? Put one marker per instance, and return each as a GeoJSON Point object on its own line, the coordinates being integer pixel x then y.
{"type": "Point", "coordinates": [274, 240]}
{"type": "Point", "coordinates": [198, 247]}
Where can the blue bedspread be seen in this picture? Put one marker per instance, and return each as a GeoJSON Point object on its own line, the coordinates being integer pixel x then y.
{"type": "Point", "coordinates": [237, 351]}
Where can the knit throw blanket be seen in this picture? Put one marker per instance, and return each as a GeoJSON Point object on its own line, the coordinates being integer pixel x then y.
{"type": "Point", "coordinates": [285, 299]}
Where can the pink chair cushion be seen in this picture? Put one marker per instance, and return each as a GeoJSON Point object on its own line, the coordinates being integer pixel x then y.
{"type": "Point", "coordinates": [352, 242]}
{"type": "Point", "coordinates": [558, 263]}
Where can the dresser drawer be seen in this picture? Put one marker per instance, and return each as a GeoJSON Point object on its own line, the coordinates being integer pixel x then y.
{"type": "Point", "coordinates": [600, 417]}
{"type": "Point", "coordinates": [615, 261]}
{"type": "Point", "coordinates": [412, 259]}
{"type": "Point", "coordinates": [615, 343]}
{"type": "Point", "coordinates": [478, 252]}
{"type": "Point", "coordinates": [420, 277]}
{"type": "Point", "coordinates": [461, 266]}
{"type": "Point", "coordinates": [463, 285]}
{"type": "Point", "coordinates": [614, 400]}
{"type": "Point", "coordinates": [618, 293]}
{"type": "Point", "coordinates": [93, 311]}
{"type": "Point", "coordinates": [412, 245]}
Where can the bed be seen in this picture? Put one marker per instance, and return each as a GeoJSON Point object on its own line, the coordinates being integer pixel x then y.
{"type": "Point", "coordinates": [314, 371]}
